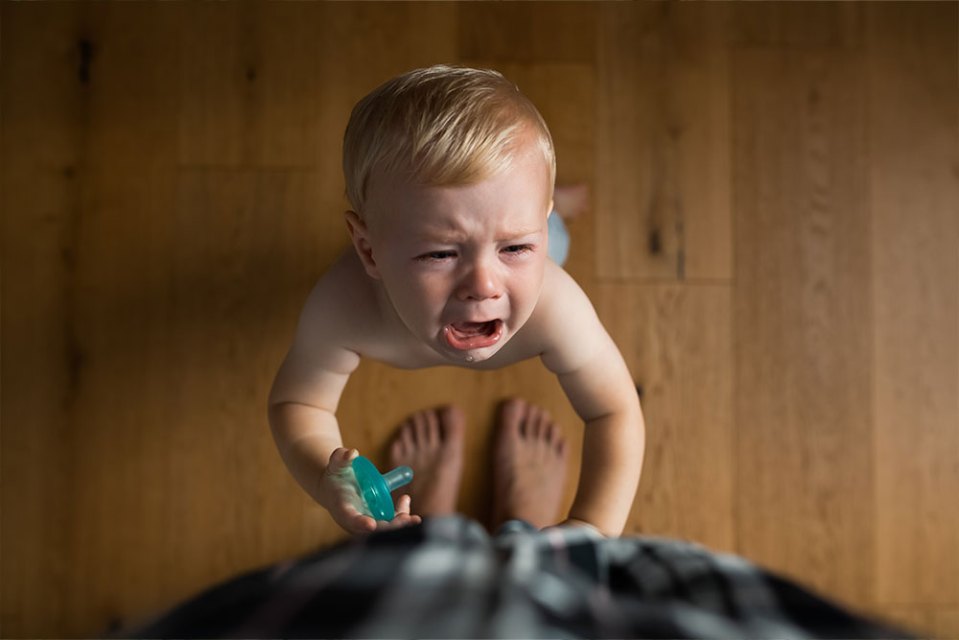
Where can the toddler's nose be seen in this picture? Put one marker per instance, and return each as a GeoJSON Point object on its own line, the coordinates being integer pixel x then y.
{"type": "Point", "coordinates": [480, 283]}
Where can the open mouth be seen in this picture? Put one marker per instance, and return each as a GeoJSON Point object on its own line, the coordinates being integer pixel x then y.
{"type": "Point", "coordinates": [473, 335]}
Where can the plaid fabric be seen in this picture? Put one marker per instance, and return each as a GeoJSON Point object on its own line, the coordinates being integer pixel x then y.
{"type": "Point", "coordinates": [447, 578]}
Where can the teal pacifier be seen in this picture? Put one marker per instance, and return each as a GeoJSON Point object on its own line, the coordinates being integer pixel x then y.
{"type": "Point", "coordinates": [375, 488]}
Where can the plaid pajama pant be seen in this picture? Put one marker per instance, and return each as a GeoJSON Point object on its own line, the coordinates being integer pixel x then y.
{"type": "Point", "coordinates": [448, 578]}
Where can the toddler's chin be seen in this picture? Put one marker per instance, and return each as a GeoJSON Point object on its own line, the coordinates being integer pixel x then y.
{"type": "Point", "coordinates": [480, 355]}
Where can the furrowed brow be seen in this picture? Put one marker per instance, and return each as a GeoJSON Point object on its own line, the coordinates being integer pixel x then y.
{"type": "Point", "coordinates": [518, 235]}
{"type": "Point", "coordinates": [442, 236]}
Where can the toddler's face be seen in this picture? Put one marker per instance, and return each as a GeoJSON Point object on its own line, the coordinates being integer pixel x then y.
{"type": "Point", "coordinates": [463, 265]}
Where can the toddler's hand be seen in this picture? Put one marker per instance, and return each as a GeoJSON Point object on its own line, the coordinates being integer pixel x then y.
{"type": "Point", "coordinates": [340, 497]}
{"type": "Point", "coordinates": [574, 522]}
{"type": "Point", "coordinates": [403, 516]}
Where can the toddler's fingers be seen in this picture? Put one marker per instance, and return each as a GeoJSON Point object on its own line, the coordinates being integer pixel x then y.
{"type": "Point", "coordinates": [403, 504]}
{"type": "Point", "coordinates": [342, 457]}
{"type": "Point", "coordinates": [405, 521]}
{"type": "Point", "coordinates": [403, 516]}
{"type": "Point", "coordinates": [400, 521]}
{"type": "Point", "coordinates": [363, 524]}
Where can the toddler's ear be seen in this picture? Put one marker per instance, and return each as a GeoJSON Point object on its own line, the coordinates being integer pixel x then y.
{"type": "Point", "coordinates": [360, 235]}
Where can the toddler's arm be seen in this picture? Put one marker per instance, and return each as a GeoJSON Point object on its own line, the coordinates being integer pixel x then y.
{"type": "Point", "coordinates": [598, 384]}
{"type": "Point", "coordinates": [302, 415]}
{"type": "Point", "coordinates": [613, 441]}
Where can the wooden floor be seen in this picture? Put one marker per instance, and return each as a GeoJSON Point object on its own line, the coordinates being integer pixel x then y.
{"type": "Point", "coordinates": [773, 243]}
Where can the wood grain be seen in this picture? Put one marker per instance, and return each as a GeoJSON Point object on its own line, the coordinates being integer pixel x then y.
{"type": "Point", "coordinates": [363, 45]}
{"type": "Point", "coordinates": [801, 312]}
{"type": "Point", "coordinates": [39, 152]}
{"type": "Point", "coordinates": [525, 32]}
{"type": "Point", "coordinates": [248, 84]}
{"type": "Point", "coordinates": [663, 146]}
{"type": "Point", "coordinates": [677, 341]}
{"type": "Point", "coordinates": [946, 621]}
{"type": "Point", "coordinates": [915, 259]}
{"type": "Point", "coordinates": [798, 25]}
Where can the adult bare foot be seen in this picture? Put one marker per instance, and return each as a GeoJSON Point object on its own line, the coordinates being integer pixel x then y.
{"type": "Point", "coordinates": [529, 466]}
{"type": "Point", "coordinates": [570, 201]}
{"type": "Point", "coordinates": [431, 443]}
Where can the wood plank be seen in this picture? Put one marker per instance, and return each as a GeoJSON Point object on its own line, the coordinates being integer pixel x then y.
{"type": "Point", "coordinates": [363, 45]}
{"type": "Point", "coordinates": [181, 485]}
{"type": "Point", "coordinates": [663, 145]}
{"type": "Point", "coordinates": [801, 303]}
{"type": "Point", "coordinates": [125, 137]}
{"type": "Point", "coordinates": [250, 84]}
{"type": "Point", "coordinates": [915, 246]}
{"type": "Point", "coordinates": [113, 108]}
{"type": "Point", "coordinates": [127, 158]}
{"type": "Point", "coordinates": [121, 492]}
{"type": "Point", "coordinates": [41, 101]}
{"type": "Point", "coordinates": [780, 25]}
{"type": "Point", "coordinates": [947, 622]}
{"type": "Point", "coordinates": [245, 242]}
{"type": "Point", "coordinates": [677, 341]}
{"type": "Point", "coordinates": [699, 128]}
{"type": "Point", "coordinates": [524, 32]}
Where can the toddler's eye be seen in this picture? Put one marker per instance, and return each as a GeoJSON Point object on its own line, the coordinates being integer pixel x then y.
{"type": "Point", "coordinates": [518, 248]}
{"type": "Point", "coordinates": [433, 256]}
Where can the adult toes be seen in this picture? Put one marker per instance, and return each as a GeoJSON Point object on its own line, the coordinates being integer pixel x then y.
{"type": "Point", "coordinates": [512, 413]}
{"type": "Point", "coordinates": [452, 421]}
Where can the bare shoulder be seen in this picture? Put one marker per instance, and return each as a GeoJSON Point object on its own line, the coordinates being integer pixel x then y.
{"type": "Point", "coordinates": [324, 351]}
{"type": "Point", "coordinates": [580, 351]}
{"type": "Point", "coordinates": [566, 322]}
{"type": "Point", "coordinates": [341, 306]}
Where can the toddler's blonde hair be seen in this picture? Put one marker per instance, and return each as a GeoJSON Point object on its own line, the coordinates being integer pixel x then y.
{"type": "Point", "coordinates": [442, 125]}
